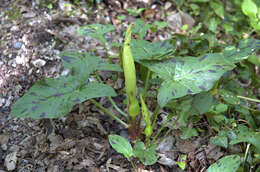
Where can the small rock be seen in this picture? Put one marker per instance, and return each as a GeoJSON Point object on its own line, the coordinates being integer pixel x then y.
{"type": "Point", "coordinates": [10, 161]}
{"type": "Point", "coordinates": [3, 141]}
{"type": "Point", "coordinates": [144, 1]}
{"type": "Point", "coordinates": [29, 15]}
{"type": "Point", "coordinates": [124, 133]}
{"type": "Point", "coordinates": [164, 160]}
{"type": "Point", "coordinates": [174, 21]}
{"type": "Point", "coordinates": [118, 84]}
{"type": "Point", "coordinates": [186, 146]}
{"type": "Point", "coordinates": [187, 19]}
{"type": "Point", "coordinates": [17, 45]}
{"type": "Point", "coordinates": [14, 148]}
{"type": "Point", "coordinates": [8, 101]}
{"type": "Point", "coordinates": [19, 60]}
{"type": "Point", "coordinates": [166, 144]}
{"type": "Point", "coordinates": [167, 5]}
{"type": "Point", "coordinates": [2, 101]}
{"type": "Point", "coordinates": [14, 28]}
{"type": "Point", "coordinates": [39, 63]}
{"type": "Point", "coordinates": [65, 72]}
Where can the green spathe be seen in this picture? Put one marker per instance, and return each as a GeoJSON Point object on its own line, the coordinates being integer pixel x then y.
{"type": "Point", "coordinates": [130, 75]}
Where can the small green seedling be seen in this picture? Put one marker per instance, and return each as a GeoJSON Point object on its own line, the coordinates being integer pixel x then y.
{"type": "Point", "coordinates": [146, 155]}
{"type": "Point", "coordinates": [251, 10]}
{"type": "Point", "coordinates": [135, 12]}
{"type": "Point", "coordinates": [182, 163]}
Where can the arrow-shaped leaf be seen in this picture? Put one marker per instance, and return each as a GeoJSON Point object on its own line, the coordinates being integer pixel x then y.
{"type": "Point", "coordinates": [52, 98]}
{"type": "Point", "coordinates": [144, 50]}
{"type": "Point", "coordinates": [192, 75]}
{"type": "Point", "coordinates": [96, 31]}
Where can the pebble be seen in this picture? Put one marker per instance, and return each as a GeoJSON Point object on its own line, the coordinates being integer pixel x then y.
{"type": "Point", "coordinates": [167, 5]}
{"type": "Point", "coordinates": [10, 161]}
{"type": "Point", "coordinates": [124, 133]}
{"type": "Point", "coordinates": [39, 63]}
{"type": "Point", "coordinates": [19, 60]}
{"type": "Point", "coordinates": [166, 145]}
{"type": "Point", "coordinates": [18, 45]}
{"type": "Point", "coordinates": [174, 21]}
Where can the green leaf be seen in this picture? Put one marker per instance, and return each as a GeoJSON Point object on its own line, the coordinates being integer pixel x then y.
{"type": "Point", "coordinates": [182, 165]}
{"type": "Point", "coordinates": [52, 98]}
{"type": "Point", "coordinates": [218, 8]}
{"type": "Point", "coordinates": [221, 119]}
{"type": "Point", "coordinates": [220, 141]}
{"type": "Point", "coordinates": [146, 116]}
{"type": "Point", "coordinates": [245, 48]}
{"type": "Point", "coordinates": [199, 1]}
{"type": "Point", "coordinates": [135, 12]}
{"type": "Point", "coordinates": [229, 97]}
{"type": "Point", "coordinates": [212, 24]}
{"type": "Point", "coordinates": [84, 63]}
{"type": "Point", "coordinates": [140, 28]}
{"type": "Point", "coordinates": [109, 67]}
{"type": "Point", "coordinates": [146, 156]}
{"type": "Point", "coordinates": [81, 64]}
{"type": "Point", "coordinates": [226, 164]}
{"type": "Point", "coordinates": [249, 8]}
{"type": "Point", "coordinates": [248, 136]}
{"type": "Point", "coordinates": [190, 75]}
{"type": "Point", "coordinates": [144, 50]}
{"type": "Point", "coordinates": [219, 108]}
{"type": "Point", "coordinates": [188, 132]}
{"type": "Point", "coordinates": [248, 116]}
{"type": "Point", "coordinates": [203, 102]}
{"type": "Point", "coordinates": [254, 59]}
{"type": "Point", "coordinates": [160, 24]}
{"type": "Point", "coordinates": [185, 110]}
{"type": "Point", "coordinates": [96, 31]}
{"type": "Point", "coordinates": [121, 145]}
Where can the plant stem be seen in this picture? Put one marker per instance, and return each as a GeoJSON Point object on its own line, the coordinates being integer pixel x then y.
{"type": "Point", "coordinates": [110, 99]}
{"type": "Point", "coordinates": [133, 165]}
{"type": "Point", "coordinates": [245, 157]}
{"type": "Point", "coordinates": [146, 83]}
{"type": "Point", "coordinates": [109, 58]}
{"type": "Point", "coordinates": [250, 99]}
{"type": "Point", "coordinates": [168, 131]}
{"type": "Point", "coordinates": [155, 115]}
{"type": "Point", "coordinates": [147, 142]}
{"type": "Point", "coordinates": [116, 107]}
{"type": "Point", "coordinates": [112, 115]}
{"type": "Point", "coordinates": [159, 131]}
